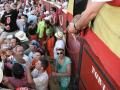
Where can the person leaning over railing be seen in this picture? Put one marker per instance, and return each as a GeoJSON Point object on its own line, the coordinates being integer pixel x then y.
{"type": "Point", "coordinates": [92, 9]}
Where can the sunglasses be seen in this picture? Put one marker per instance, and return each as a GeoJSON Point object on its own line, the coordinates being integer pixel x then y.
{"type": "Point", "coordinates": [59, 53]}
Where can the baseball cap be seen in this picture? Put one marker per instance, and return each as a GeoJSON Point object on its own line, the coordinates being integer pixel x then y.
{"type": "Point", "coordinates": [35, 43]}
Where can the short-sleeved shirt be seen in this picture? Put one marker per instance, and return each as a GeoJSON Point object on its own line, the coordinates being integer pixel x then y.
{"type": "Point", "coordinates": [64, 81]}
{"type": "Point", "coordinates": [41, 81]}
{"type": "Point", "coordinates": [32, 18]}
{"type": "Point", "coordinates": [9, 19]}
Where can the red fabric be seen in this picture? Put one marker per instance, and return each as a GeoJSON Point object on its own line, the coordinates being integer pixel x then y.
{"type": "Point", "coordinates": [42, 40]}
{"type": "Point", "coordinates": [49, 70]}
{"type": "Point", "coordinates": [33, 37]}
{"type": "Point", "coordinates": [50, 46]}
{"type": "Point", "coordinates": [107, 58]}
{"type": "Point", "coordinates": [42, 16]}
{"type": "Point", "coordinates": [34, 62]}
{"type": "Point", "coordinates": [18, 82]}
{"type": "Point", "coordinates": [69, 17]}
{"type": "Point", "coordinates": [115, 3]}
{"type": "Point", "coordinates": [54, 18]}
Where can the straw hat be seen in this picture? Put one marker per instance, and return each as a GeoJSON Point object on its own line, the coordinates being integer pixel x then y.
{"type": "Point", "coordinates": [59, 34]}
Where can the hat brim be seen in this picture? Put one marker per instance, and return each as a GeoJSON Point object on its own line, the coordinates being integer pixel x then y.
{"type": "Point", "coordinates": [21, 37]}
{"type": "Point", "coordinates": [56, 35]}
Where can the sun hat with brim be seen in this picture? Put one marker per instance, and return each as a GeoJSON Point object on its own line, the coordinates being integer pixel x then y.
{"type": "Point", "coordinates": [59, 34]}
{"type": "Point", "coordinates": [1, 75]}
{"type": "Point", "coordinates": [21, 36]}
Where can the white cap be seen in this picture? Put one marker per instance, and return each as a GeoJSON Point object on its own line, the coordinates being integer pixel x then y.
{"type": "Point", "coordinates": [21, 36]}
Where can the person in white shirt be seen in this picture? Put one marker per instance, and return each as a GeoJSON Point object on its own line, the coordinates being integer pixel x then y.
{"type": "Point", "coordinates": [40, 80]}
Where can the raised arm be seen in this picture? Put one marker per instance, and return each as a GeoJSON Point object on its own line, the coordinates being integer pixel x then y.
{"type": "Point", "coordinates": [19, 5]}
{"type": "Point", "coordinates": [90, 12]}
{"type": "Point", "coordinates": [29, 77]}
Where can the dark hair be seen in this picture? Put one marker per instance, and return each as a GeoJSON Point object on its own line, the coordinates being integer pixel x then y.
{"type": "Point", "coordinates": [41, 51]}
{"type": "Point", "coordinates": [24, 15]}
{"type": "Point", "coordinates": [48, 23]}
{"type": "Point", "coordinates": [44, 64]}
{"type": "Point", "coordinates": [61, 49]}
{"type": "Point", "coordinates": [17, 40]}
{"type": "Point", "coordinates": [18, 71]}
{"type": "Point", "coordinates": [53, 9]}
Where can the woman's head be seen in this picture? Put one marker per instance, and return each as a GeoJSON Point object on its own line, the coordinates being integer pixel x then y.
{"type": "Point", "coordinates": [37, 56]}
{"type": "Point", "coordinates": [41, 65]}
{"type": "Point", "coordinates": [60, 53]}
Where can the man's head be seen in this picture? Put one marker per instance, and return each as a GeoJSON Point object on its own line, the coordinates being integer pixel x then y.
{"type": "Point", "coordinates": [14, 42]}
{"type": "Point", "coordinates": [18, 71]}
{"type": "Point", "coordinates": [34, 45]}
{"type": "Point", "coordinates": [19, 50]}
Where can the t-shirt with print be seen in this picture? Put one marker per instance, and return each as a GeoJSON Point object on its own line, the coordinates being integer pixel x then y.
{"type": "Point", "coordinates": [9, 20]}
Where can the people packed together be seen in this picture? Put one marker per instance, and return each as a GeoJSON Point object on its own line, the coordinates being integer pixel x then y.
{"type": "Point", "coordinates": [32, 50]}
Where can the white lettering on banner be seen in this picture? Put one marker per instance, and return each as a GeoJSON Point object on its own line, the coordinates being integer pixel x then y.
{"type": "Point", "coordinates": [99, 80]}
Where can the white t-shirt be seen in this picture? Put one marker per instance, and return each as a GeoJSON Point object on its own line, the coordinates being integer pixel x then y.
{"type": "Point", "coordinates": [35, 73]}
{"type": "Point", "coordinates": [41, 81]}
{"type": "Point", "coordinates": [26, 58]}
{"type": "Point", "coordinates": [100, 0]}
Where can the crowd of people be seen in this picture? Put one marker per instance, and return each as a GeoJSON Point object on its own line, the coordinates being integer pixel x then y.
{"type": "Point", "coordinates": [28, 35]}
{"type": "Point", "coordinates": [28, 42]}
